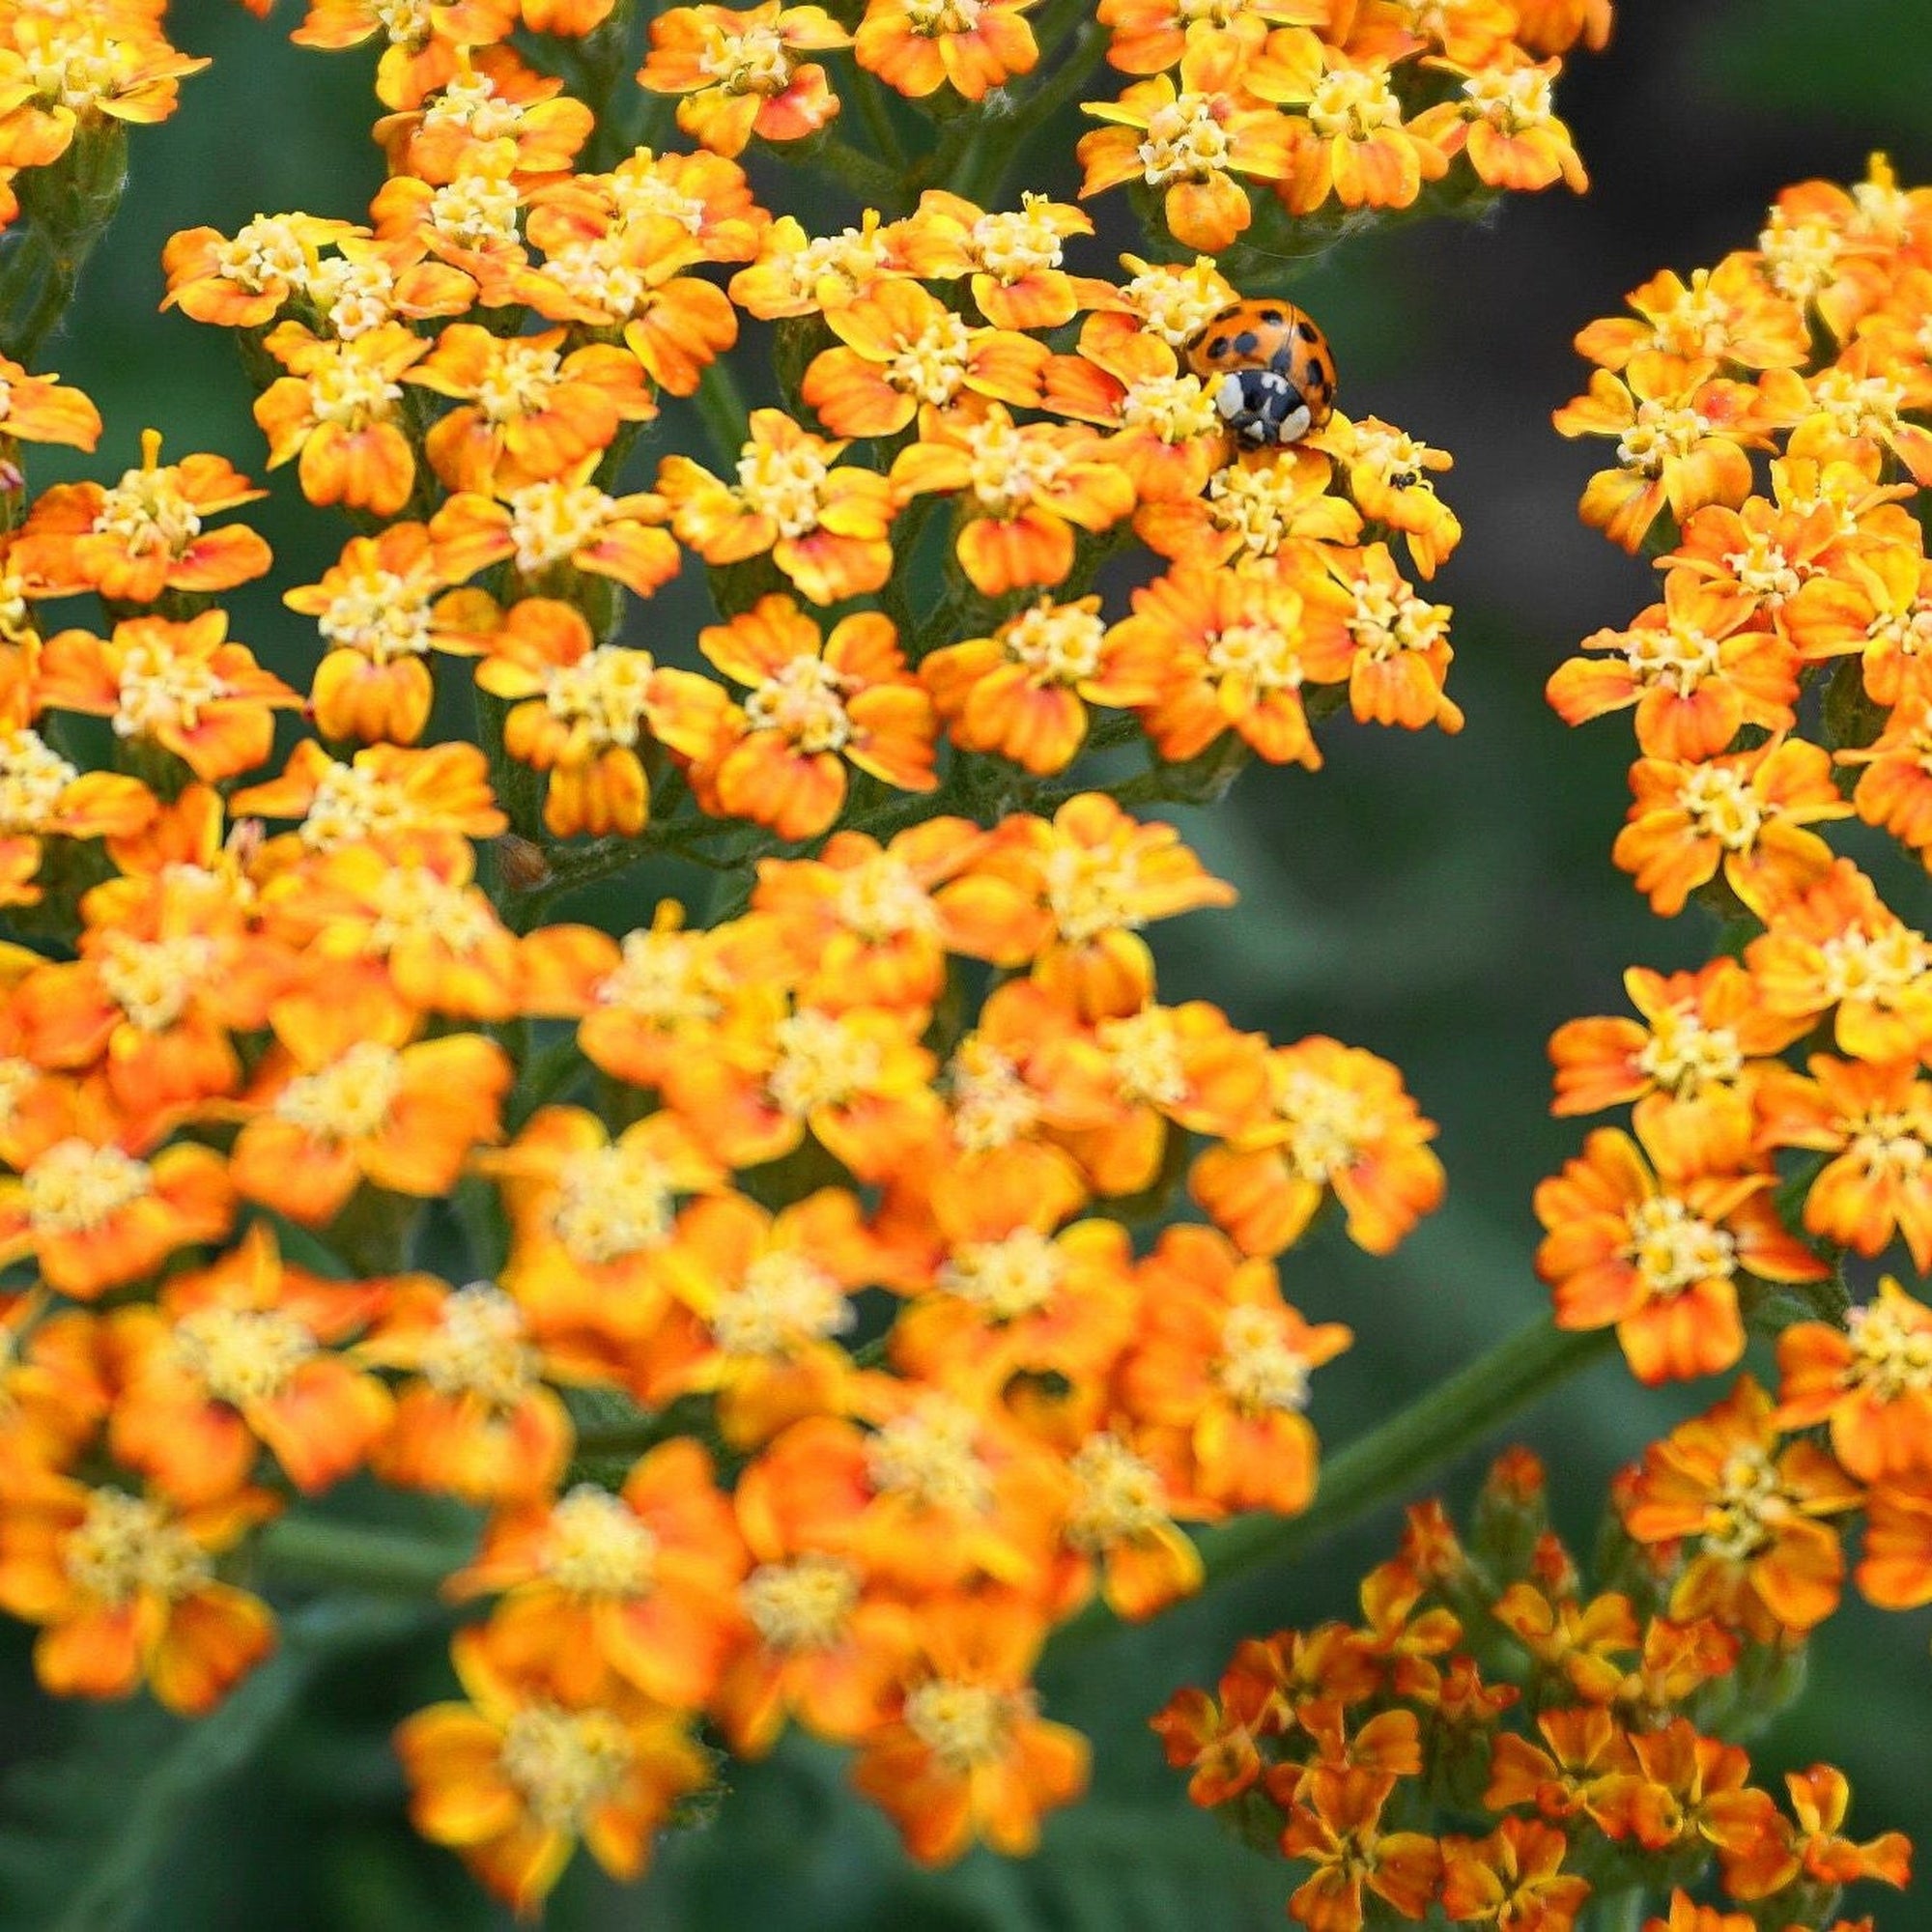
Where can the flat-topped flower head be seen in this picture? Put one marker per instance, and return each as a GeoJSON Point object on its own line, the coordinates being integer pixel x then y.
{"type": "Point", "coordinates": [744, 73]}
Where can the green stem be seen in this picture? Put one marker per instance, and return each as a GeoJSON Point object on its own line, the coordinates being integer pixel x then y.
{"type": "Point", "coordinates": [1620, 1912]}
{"type": "Point", "coordinates": [878, 120]}
{"type": "Point", "coordinates": [1391, 1461]}
{"type": "Point", "coordinates": [990, 158]}
{"type": "Point", "coordinates": [876, 183]}
{"type": "Point", "coordinates": [721, 404]}
{"type": "Point", "coordinates": [307, 1552]}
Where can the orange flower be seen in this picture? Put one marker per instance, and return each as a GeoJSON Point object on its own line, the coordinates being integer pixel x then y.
{"type": "Point", "coordinates": [144, 536]}
{"type": "Point", "coordinates": [1348, 139]}
{"type": "Point", "coordinates": [1220, 1376]}
{"type": "Point", "coordinates": [124, 1589]}
{"type": "Point", "coordinates": [903, 354]}
{"type": "Point", "coordinates": [1872, 1381]}
{"type": "Point", "coordinates": [491, 97]}
{"type": "Point", "coordinates": [1877, 605]}
{"type": "Point", "coordinates": [423, 45]}
{"type": "Point", "coordinates": [825, 526]}
{"type": "Point", "coordinates": [1765, 1561]}
{"type": "Point", "coordinates": [585, 709]}
{"type": "Point", "coordinates": [54, 1387]}
{"type": "Point", "coordinates": [1013, 256]}
{"type": "Point", "coordinates": [1336, 1118]}
{"type": "Point", "coordinates": [1659, 1255]}
{"type": "Point", "coordinates": [1682, 436]}
{"type": "Point", "coordinates": [967, 1758]}
{"type": "Point", "coordinates": [1023, 692]}
{"type": "Point", "coordinates": [1168, 435]}
{"type": "Point", "coordinates": [1236, 653]}
{"type": "Point", "coordinates": [640, 1585]}
{"type": "Point", "coordinates": [336, 409]}
{"type": "Point", "coordinates": [1335, 1823]}
{"type": "Point", "coordinates": [1746, 813]}
{"type": "Point", "coordinates": [84, 75]}
{"type": "Point", "coordinates": [916, 46]}
{"type": "Point", "coordinates": [1067, 897]}
{"type": "Point", "coordinates": [183, 687]}
{"type": "Point", "coordinates": [1401, 642]}
{"type": "Point", "coordinates": [797, 273]}
{"type": "Point", "coordinates": [1876, 1122]}
{"type": "Point", "coordinates": [817, 704]}
{"type": "Point", "coordinates": [1253, 508]}
{"type": "Point", "coordinates": [236, 1358]}
{"type": "Point", "coordinates": [344, 1098]}
{"type": "Point", "coordinates": [1507, 125]}
{"type": "Point", "coordinates": [42, 796]}
{"type": "Point", "coordinates": [512, 1777]}
{"type": "Point", "coordinates": [1697, 667]}
{"type": "Point", "coordinates": [1149, 36]}
{"type": "Point", "coordinates": [1512, 1877]}
{"type": "Point", "coordinates": [1856, 404]}
{"type": "Point", "coordinates": [478, 1420]}
{"type": "Point", "coordinates": [1028, 487]}
{"type": "Point", "coordinates": [556, 529]}
{"type": "Point", "coordinates": [1690, 1792]}
{"type": "Point", "coordinates": [741, 75]}
{"type": "Point", "coordinates": [1894, 790]}
{"type": "Point", "coordinates": [529, 410]}
{"type": "Point", "coordinates": [1726, 314]}
{"type": "Point", "coordinates": [1389, 475]}
{"type": "Point", "coordinates": [37, 408]}
{"type": "Point", "coordinates": [1191, 142]}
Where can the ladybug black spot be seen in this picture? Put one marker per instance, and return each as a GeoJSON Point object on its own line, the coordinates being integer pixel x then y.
{"type": "Point", "coordinates": [1247, 342]}
{"type": "Point", "coordinates": [1308, 332]}
{"type": "Point", "coordinates": [1217, 349]}
{"type": "Point", "coordinates": [1273, 315]}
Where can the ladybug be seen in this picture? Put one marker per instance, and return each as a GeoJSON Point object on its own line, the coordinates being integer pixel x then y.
{"type": "Point", "coordinates": [1270, 370]}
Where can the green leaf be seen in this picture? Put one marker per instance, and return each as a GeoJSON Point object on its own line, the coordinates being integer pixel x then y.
{"type": "Point", "coordinates": [83, 1835]}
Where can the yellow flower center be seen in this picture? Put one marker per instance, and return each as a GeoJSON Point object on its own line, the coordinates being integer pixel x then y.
{"type": "Point", "coordinates": [264, 251]}
{"type": "Point", "coordinates": [551, 521]}
{"type": "Point", "coordinates": [931, 1455]}
{"type": "Point", "coordinates": [1672, 1249]}
{"type": "Point", "coordinates": [1351, 104]}
{"type": "Point", "coordinates": [1891, 1356]}
{"type": "Point", "coordinates": [851, 257]}
{"type": "Point", "coordinates": [1177, 409]}
{"type": "Point", "coordinates": [347, 1100]}
{"type": "Point", "coordinates": [1117, 1496]}
{"type": "Point", "coordinates": [662, 977]}
{"type": "Point", "coordinates": [806, 702]}
{"type": "Point", "coordinates": [1660, 434]}
{"type": "Point", "coordinates": [1092, 889]}
{"type": "Point", "coordinates": [804, 1605]}
{"type": "Point", "coordinates": [786, 485]}
{"type": "Point", "coordinates": [1007, 1278]}
{"type": "Point", "coordinates": [146, 512]}
{"type": "Point", "coordinates": [1261, 656]}
{"type": "Point", "coordinates": [595, 274]}
{"type": "Point", "coordinates": [1392, 455]}
{"type": "Point", "coordinates": [352, 804]}
{"type": "Point", "coordinates": [406, 22]}
{"type": "Point", "coordinates": [76, 1187]}
{"type": "Point", "coordinates": [77, 64]}
{"type": "Point", "coordinates": [965, 1726]}
{"type": "Point", "coordinates": [1721, 805]}
{"type": "Point", "coordinates": [783, 1301]}
{"type": "Point", "coordinates": [880, 898]}
{"type": "Point", "coordinates": [1909, 632]}
{"type": "Point", "coordinates": [378, 614]}
{"type": "Point", "coordinates": [411, 903]}
{"type": "Point", "coordinates": [1011, 470]}
{"type": "Point", "coordinates": [613, 1202]}
{"type": "Point", "coordinates": [1145, 1049]}
{"type": "Point", "coordinates": [1258, 503]}
{"type": "Point", "coordinates": [1764, 571]}
{"type": "Point", "coordinates": [821, 1063]}
{"type": "Point", "coordinates": [1213, 12]}
{"type": "Point", "coordinates": [351, 387]}
{"type": "Point", "coordinates": [757, 61]}
{"type": "Point", "coordinates": [933, 18]}
{"type": "Point", "coordinates": [1685, 1057]}
{"type": "Point", "coordinates": [1801, 258]}
{"type": "Point", "coordinates": [992, 1106]}
{"type": "Point", "coordinates": [1185, 140]}
{"type": "Point", "coordinates": [1892, 1147]}
{"type": "Point", "coordinates": [1511, 101]}
{"type": "Point", "coordinates": [1884, 969]}
{"type": "Point", "coordinates": [564, 1764]}
{"type": "Point", "coordinates": [242, 1354]}
{"type": "Point", "coordinates": [1698, 323]}
{"type": "Point", "coordinates": [476, 210]}
{"type": "Point", "coordinates": [1058, 644]}
{"type": "Point", "coordinates": [1747, 1506]}
{"type": "Point", "coordinates": [481, 1347]}
{"type": "Point", "coordinates": [1176, 303]}
{"type": "Point", "coordinates": [17, 1079]}
{"type": "Point", "coordinates": [601, 696]}
{"type": "Point", "coordinates": [152, 980]}
{"type": "Point", "coordinates": [1679, 657]}
{"type": "Point", "coordinates": [33, 775]}
{"type": "Point", "coordinates": [162, 690]}
{"type": "Point", "coordinates": [1864, 407]}
{"type": "Point", "coordinates": [597, 1547]}
{"type": "Point", "coordinates": [470, 100]}
{"type": "Point", "coordinates": [354, 296]}
{"type": "Point", "coordinates": [1015, 244]}
{"type": "Point", "coordinates": [1258, 1368]}
{"type": "Point", "coordinates": [520, 383]}
{"type": "Point", "coordinates": [642, 194]}
{"type": "Point", "coordinates": [127, 1547]}
{"type": "Point", "coordinates": [1328, 1126]}
{"type": "Point", "coordinates": [933, 367]}
{"type": "Point", "coordinates": [1389, 618]}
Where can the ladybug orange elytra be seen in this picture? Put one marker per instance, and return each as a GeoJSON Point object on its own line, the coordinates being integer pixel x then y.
{"type": "Point", "coordinates": [1269, 369]}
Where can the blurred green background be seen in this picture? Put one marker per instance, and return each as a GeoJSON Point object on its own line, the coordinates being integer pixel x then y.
{"type": "Point", "coordinates": [1442, 901]}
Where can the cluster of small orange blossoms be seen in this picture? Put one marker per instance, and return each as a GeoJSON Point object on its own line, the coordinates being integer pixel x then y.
{"type": "Point", "coordinates": [1579, 1732]}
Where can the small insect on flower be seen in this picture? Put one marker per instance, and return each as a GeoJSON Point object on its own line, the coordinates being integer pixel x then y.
{"type": "Point", "coordinates": [1269, 369]}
